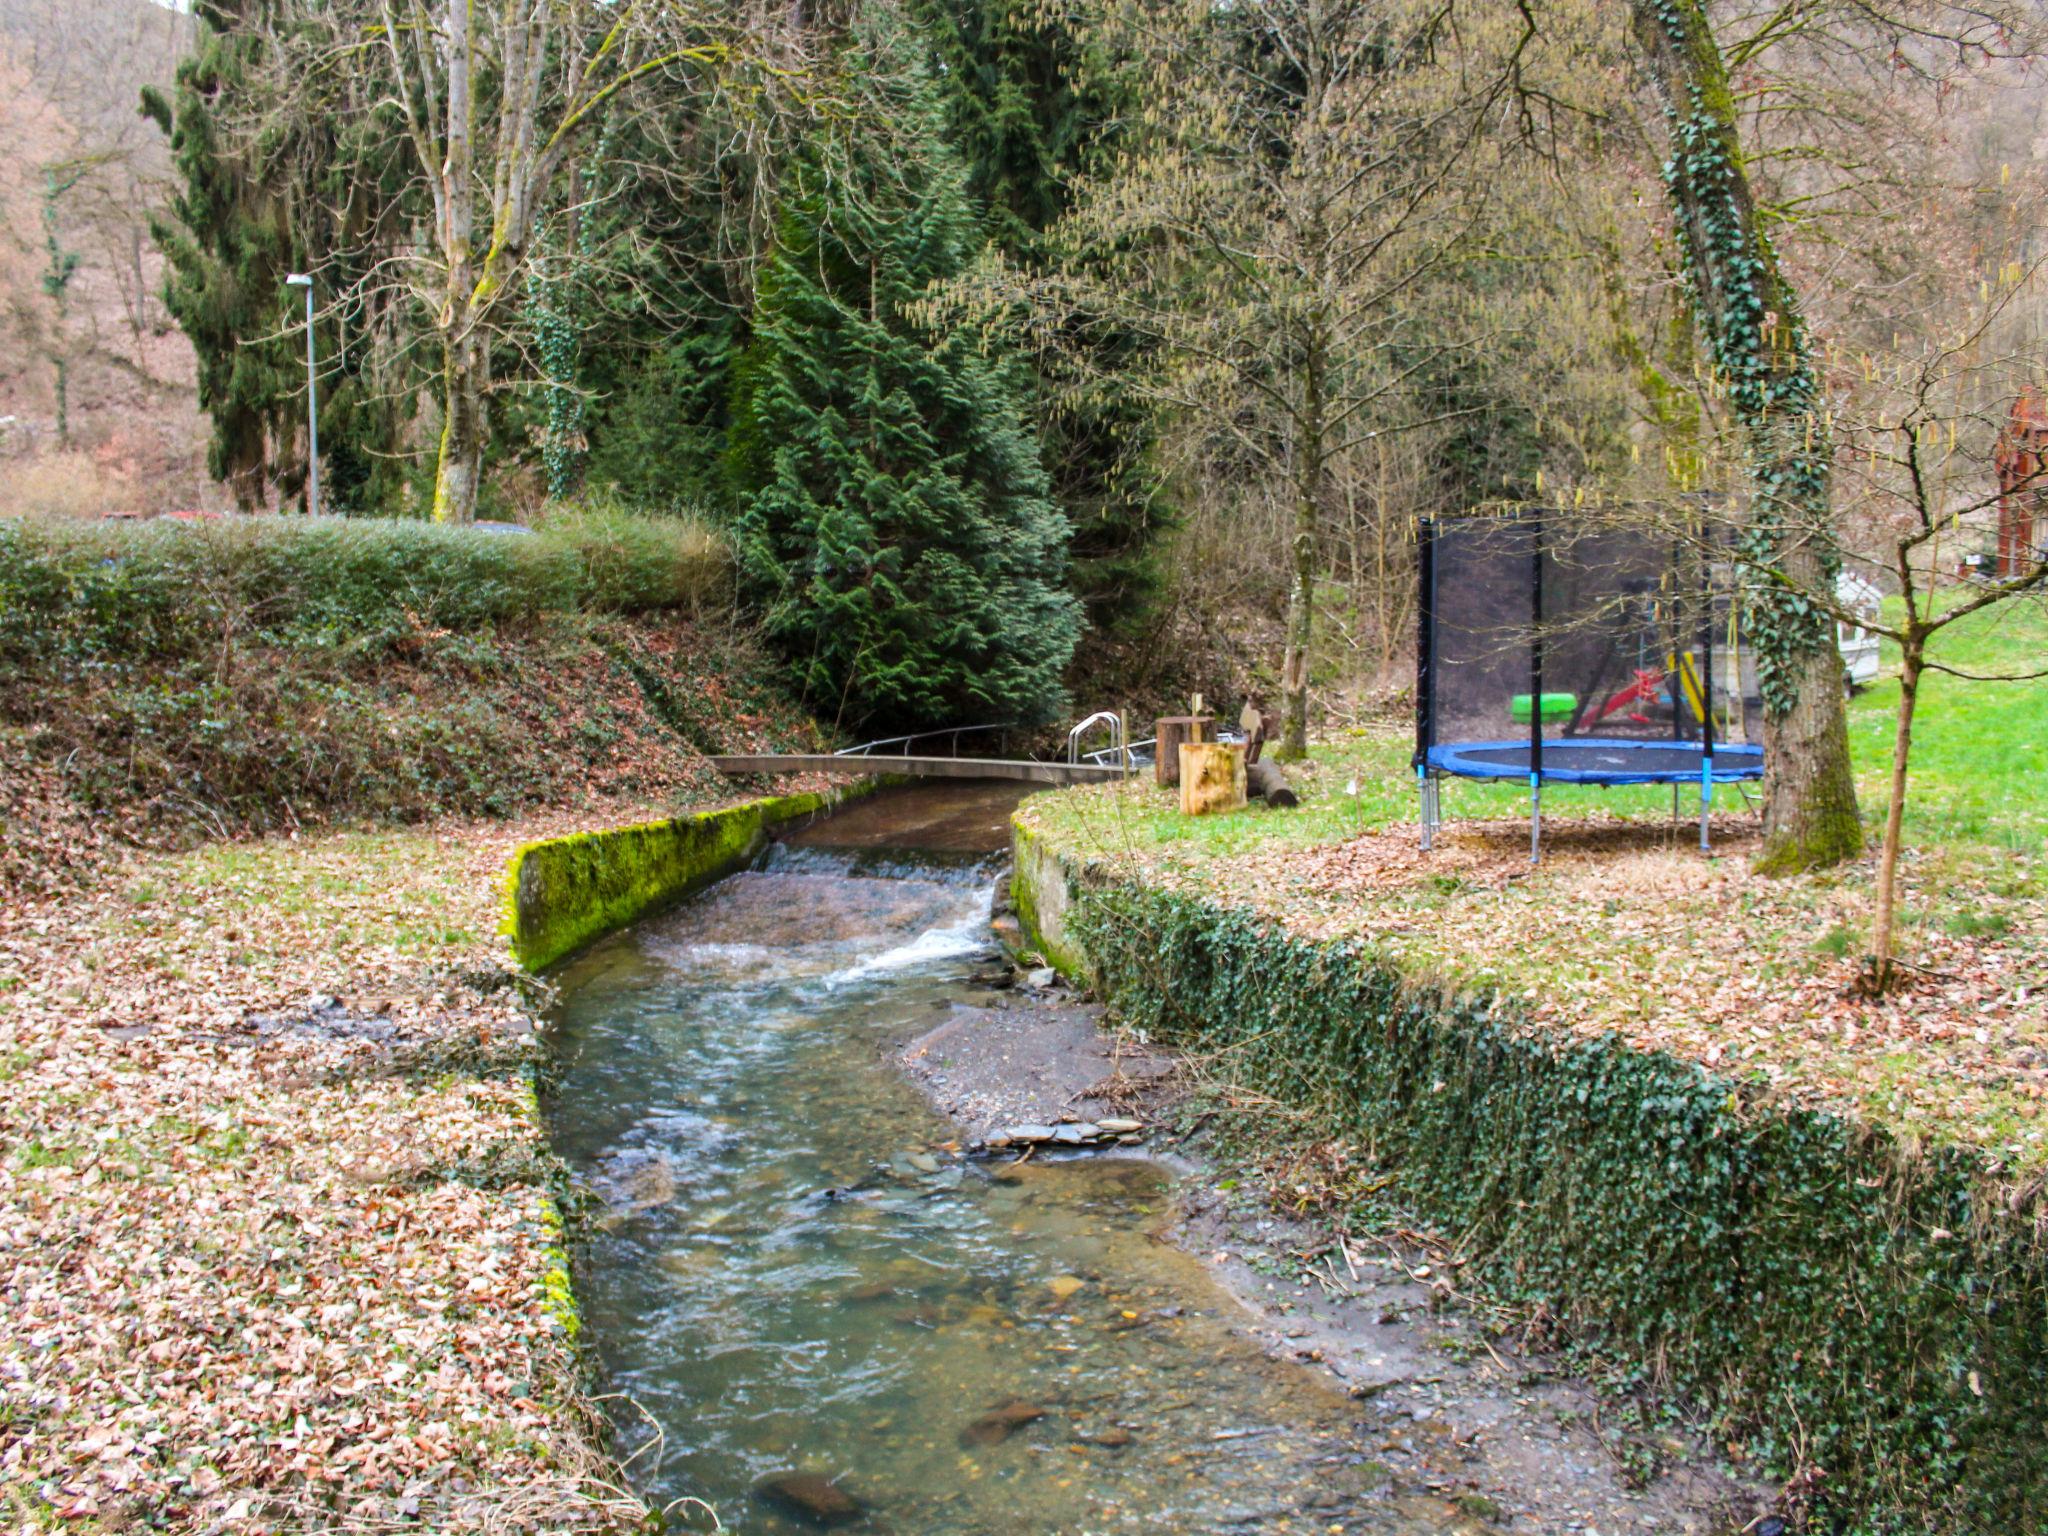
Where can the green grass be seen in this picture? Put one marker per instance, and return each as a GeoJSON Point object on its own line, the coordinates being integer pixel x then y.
{"type": "Point", "coordinates": [1979, 769]}
{"type": "Point", "coordinates": [1979, 785]}
{"type": "Point", "coordinates": [1611, 956]}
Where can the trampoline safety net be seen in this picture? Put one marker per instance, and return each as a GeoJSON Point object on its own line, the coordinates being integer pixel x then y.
{"type": "Point", "coordinates": [1581, 651]}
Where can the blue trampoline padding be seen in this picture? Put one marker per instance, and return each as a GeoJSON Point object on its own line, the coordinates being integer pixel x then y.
{"type": "Point", "coordinates": [1599, 760]}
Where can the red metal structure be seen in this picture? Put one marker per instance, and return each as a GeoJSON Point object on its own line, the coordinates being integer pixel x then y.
{"type": "Point", "coordinates": [2022, 460]}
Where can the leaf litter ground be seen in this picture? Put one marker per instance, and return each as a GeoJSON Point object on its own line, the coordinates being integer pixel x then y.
{"type": "Point", "coordinates": [275, 1236]}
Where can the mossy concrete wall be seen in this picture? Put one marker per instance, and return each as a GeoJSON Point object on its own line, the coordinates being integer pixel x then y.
{"type": "Point", "coordinates": [565, 892]}
{"type": "Point", "coordinates": [1043, 887]}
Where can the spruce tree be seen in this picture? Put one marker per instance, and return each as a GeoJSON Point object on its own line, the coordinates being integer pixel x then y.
{"type": "Point", "coordinates": [228, 248]}
{"type": "Point", "coordinates": [1030, 111]}
{"type": "Point", "coordinates": [896, 520]}
{"type": "Point", "coordinates": [317, 185]}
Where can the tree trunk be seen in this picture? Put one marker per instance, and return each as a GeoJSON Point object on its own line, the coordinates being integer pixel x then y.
{"type": "Point", "coordinates": [462, 437]}
{"type": "Point", "coordinates": [1882, 947]}
{"type": "Point", "coordinates": [1301, 591]}
{"type": "Point", "coordinates": [1749, 316]}
{"type": "Point", "coordinates": [462, 432]}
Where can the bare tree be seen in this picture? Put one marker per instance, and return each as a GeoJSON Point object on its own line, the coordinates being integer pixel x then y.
{"type": "Point", "coordinates": [536, 74]}
{"type": "Point", "coordinates": [1919, 448]}
{"type": "Point", "coordinates": [1301, 171]}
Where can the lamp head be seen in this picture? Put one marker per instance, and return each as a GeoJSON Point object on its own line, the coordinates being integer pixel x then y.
{"type": "Point", "coordinates": [298, 280]}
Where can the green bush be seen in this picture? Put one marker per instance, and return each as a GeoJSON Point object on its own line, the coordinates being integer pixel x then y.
{"type": "Point", "coordinates": [97, 592]}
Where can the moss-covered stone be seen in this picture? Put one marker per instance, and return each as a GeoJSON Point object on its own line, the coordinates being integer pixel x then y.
{"type": "Point", "coordinates": [565, 892]}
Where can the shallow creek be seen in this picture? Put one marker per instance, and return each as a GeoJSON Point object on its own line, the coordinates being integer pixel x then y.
{"type": "Point", "coordinates": [796, 1278]}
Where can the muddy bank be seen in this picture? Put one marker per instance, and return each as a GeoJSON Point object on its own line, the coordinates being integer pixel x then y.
{"type": "Point", "coordinates": [1445, 1397]}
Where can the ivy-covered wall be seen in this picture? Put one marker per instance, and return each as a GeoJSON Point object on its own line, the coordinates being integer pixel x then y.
{"type": "Point", "coordinates": [563, 893]}
{"type": "Point", "coordinates": [1834, 1298]}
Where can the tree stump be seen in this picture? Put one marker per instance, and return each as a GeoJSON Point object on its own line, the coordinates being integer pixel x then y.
{"type": "Point", "coordinates": [1211, 777]}
{"type": "Point", "coordinates": [1173, 731]}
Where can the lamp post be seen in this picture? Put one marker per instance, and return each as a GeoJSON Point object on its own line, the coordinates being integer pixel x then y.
{"type": "Point", "coordinates": [303, 280]}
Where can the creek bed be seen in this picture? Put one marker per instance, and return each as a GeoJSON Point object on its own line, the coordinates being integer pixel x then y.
{"type": "Point", "coordinates": [812, 1302]}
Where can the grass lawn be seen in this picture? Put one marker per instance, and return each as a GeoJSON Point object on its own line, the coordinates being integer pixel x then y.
{"type": "Point", "coordinates": [1626, 928]}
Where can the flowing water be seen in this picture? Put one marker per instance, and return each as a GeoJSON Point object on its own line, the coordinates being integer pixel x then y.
{"type": "Point", "coordinates": [795, 1275]}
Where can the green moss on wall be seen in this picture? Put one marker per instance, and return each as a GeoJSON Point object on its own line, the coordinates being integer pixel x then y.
{"type": "Point", "coordinates": [565, 892]}
{"type": "Point", "coordinates": [1834, 1298]}
{"type": "Point", "coordinates": [1042, 889]}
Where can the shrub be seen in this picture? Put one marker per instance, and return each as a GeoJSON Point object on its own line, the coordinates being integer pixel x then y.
{"type": "Point", "coordinates": [164, 590]}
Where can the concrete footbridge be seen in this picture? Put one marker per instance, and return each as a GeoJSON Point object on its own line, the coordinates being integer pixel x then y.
{"type": "Point", "coordinates": [895, 755]}
{"type": "Point", "coordinates": [918, 767]}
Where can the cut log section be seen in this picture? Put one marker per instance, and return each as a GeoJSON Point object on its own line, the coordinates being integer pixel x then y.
{"type": "Point", "coordinates": [1211, 777]}
{"type": "Point", "coordinates": [1173, 732]}
{"type": "Point", "coordinates": [1265, 780]}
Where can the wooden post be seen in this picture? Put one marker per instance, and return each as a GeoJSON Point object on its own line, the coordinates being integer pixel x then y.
{"type": "Point", "coordinates": [1172, 731]}
{"type": "Point", "coordinates": [1211, 777]}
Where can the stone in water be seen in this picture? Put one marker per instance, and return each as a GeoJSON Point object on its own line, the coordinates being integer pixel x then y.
{"type": "Point", "coordinates": [809, 1497]}
{"type": "Point", "coordinates": [998, 1424]}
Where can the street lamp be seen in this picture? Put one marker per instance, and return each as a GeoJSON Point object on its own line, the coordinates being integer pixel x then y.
{"type": "Point", "coordinates": [302, 280]}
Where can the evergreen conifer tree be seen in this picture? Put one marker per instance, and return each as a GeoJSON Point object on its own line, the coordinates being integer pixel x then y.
{"type": "Point", "coordinates": [1030, 110]}
{"type": "Point", "coordinates": [305, 190]}
{"type": "Point", "coordinates": [229, 250]}
{"type": "Point", "coordinates": [896, 520]}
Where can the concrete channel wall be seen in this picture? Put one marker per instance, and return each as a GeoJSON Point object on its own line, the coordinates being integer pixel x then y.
{"type": "Point", "coordinates": [1858, 1316]}
{"type": "Point", "coordinates": [566, 892]}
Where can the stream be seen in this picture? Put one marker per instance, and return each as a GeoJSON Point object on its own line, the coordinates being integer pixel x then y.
{"type": "Point", "coordinates": [814, 1313]}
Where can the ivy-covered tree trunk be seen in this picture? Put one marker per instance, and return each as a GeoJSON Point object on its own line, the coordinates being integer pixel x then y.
{"type": "Point", "coordinates": [1749, 316]}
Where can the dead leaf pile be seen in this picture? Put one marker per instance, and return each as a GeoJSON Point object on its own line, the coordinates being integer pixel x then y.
{"type": "Point", "coordinates": [274, 1236]}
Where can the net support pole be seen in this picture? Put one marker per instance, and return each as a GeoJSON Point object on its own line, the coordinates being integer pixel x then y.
{"type": "Point", "coordinates": [1422, 802]}
{"type": "Point", "coordinates": [1706, 693]}
{"type": "Point", "coordinates": [1536, 689]}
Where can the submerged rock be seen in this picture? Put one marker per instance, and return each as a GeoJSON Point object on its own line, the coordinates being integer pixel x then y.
{"type": "Point", "coordinates": [633, 1181]}
{"type": "Point", "coordinates": [819, 1500]}
{"type": "Point", "coordinates": [998, 1424]}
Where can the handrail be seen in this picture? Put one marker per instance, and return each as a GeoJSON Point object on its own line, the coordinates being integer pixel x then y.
{"type": "Point", "coordinates": [867, 748]}
{"type": "Point", "coordinates": [1116, 748]}
{"type": "Point", "coordinates": [1130, 751]}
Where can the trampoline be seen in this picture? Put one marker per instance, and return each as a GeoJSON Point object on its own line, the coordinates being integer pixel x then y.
{"type": "Point", "coordinates": [1586, 761]}
{"type": "Point", "coordinates": [1579, 651]}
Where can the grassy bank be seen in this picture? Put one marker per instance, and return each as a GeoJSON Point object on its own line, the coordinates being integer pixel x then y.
{"type": "Point", "coordinates": [204, 680]}
{"type": "Point", "coordinates": [1624, 929]}
{"type": "Point", "coordinates": [1635, 1088]}
{"type": "Point", "coordinates": [277, 1230]}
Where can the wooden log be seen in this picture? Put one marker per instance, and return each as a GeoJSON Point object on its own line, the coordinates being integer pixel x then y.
{"type": "Point", "coordinates": [1265, 780]}
{"type": "Point", "coordinates": [1211, 777]}
{"type": "Point", "coordinates": [1173, 731]}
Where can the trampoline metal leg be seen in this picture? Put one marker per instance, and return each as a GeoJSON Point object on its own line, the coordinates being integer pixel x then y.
{"type": "Point", "coordinates": [1422, 802]}
{"type": "Point", "coordinates": [1535, 819]}
{"type": "Point", "coordinates": [1706, 801]}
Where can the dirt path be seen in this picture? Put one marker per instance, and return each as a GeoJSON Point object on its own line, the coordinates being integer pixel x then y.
{"type": "Point", "coordinates": [1506, 1438]}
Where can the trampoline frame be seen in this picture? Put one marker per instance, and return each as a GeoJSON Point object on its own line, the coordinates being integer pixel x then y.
{"type": "Point", "coordinates": [1723, 763]}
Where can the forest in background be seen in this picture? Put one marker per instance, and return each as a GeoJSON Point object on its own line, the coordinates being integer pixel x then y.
{"type": "Point", "coordinates": [1118, 329]}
